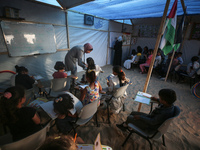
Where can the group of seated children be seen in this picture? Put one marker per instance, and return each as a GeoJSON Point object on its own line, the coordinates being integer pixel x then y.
{"type": "Point", "coordinates": [191, 69]}
{"type": "Point", "coordinates": [143, 58]}
{"type": "Point", "coordinates": [23, 121]}
{"type": "Point", "coordinates": [135, 57]}
{"type": "Point", "coordinates": [175, 66]}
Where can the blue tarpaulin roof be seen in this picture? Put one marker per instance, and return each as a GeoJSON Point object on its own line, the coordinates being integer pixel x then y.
{"type": "Point", "coordinates": [129, 9]}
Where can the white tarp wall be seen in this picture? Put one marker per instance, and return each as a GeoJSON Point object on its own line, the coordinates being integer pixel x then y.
{"type": "Point", "coordinates": [79, 34]}
{"type": "Point", "coordinates": [97, 35]}
{"type": "Point", "coordinates": [190, 47]}
{"type": "Point", "coordinates": [116, 28]}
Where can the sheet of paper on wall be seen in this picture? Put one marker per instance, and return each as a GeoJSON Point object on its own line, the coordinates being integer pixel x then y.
{"type": "Point", "coordinates": [142, 97]}
{"type": "Point", "coordinates": [49, 109]}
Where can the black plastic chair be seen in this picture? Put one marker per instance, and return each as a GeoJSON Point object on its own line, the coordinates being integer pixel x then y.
{"type": "Point", "coordinates": [153, 134]}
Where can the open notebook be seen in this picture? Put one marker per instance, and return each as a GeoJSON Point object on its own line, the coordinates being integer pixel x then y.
{"type": "Point", "coordinates": [142, 97]}
{"type": "Point", "coordinates": [48, 108]}
{"type": "Point", "coordinates": [96, 146]}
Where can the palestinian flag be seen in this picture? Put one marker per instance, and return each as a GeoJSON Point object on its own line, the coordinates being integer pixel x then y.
{"type": "Point", "coordinates": [179, 34]}
{"type": "Point", "coordinates": [167, 41]}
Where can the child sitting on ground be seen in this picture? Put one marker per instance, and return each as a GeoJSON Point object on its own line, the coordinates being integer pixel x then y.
{"type": "Point", "coordinates": [23, 79]}
{"type": "Point", "coordinates": [152, 121]}
{"type": "Point", "coordinates": [60, 67]}
{"type": "Point", "coordinates": [91, 92]}
{"type": "Point", "coordinates": [127, 63]}
{"type": "Point", "coordinates": [64, 107]}
{"type": "Point", "coordinates": [22, 121]}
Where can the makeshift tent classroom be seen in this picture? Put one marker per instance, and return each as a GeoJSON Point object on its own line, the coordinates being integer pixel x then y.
{"type": "Point", "coordinates": [70, 29]}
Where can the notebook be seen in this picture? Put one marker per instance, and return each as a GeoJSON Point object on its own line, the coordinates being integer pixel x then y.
{"type": "Point", "coordinates": [142, 97]}
{"type": "Point", "coordinates": [49, 109]}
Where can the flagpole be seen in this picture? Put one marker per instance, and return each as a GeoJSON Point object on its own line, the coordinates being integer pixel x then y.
{"type": "Point", "coordinates": [169, 65]}
{"type": "Point", "coordinates": [172, 57]}
{"type": "Point", "coordinates": [155, 49]}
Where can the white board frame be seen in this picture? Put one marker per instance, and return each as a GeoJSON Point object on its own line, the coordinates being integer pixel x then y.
{"type": "Point", "coordinates": [23, 39]}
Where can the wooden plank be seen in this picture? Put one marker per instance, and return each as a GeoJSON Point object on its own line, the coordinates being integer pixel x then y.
{"type": "Point", "coordinates": [66, 49]}
{"type": "Point", "coordinates": [155, 49]}
{"type": "Point", "coordinates": [170, 65]}
{"type": "Point", "coordinates": [67, 28]}
{"type": "Point", "coordinates": [108, 45]}
{"type": "Point", "coordinates": [131, 36]}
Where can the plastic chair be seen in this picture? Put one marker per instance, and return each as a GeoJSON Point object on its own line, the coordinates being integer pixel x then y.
{"type": "Point", "coordinates": [182, 77]}
{"type": "Point", "coordinates": [117, 94]}
{"type": "Point", "coordinates": [136, 62]}
{"type": "Point", "coordinates": [153, 134]}
{"type": "Point", "coordinates": [57, 86]}
{"type": "Point", "coordinates": [31, 142]}
{"type": "Point", "coordinates": [85, 115]}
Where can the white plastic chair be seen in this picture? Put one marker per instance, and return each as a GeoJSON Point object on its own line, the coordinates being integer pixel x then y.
{"type": "Point", "coordinates": [117, 94]}
{"type": "Point", "coordinates": [86, 114]}
{"type": "Point", "coordinates": [153, 134]}
{"type": "Point", "coordinates": [31, 142]}
{"type": "Point", "coordinates": [57, 86]}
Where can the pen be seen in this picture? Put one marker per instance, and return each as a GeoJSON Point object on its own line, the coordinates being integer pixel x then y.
{"type": "Point", "coordinates": [75, 137]}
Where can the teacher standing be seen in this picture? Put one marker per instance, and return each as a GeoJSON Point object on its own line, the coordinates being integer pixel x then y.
{"type": "Point", "coordinates": [118, 52]}
{"type": "Point", "coordinates": [75, 54]}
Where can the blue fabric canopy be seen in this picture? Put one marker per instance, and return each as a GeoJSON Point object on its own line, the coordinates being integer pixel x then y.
{"type": "Point", "coordinates": [130, 9]}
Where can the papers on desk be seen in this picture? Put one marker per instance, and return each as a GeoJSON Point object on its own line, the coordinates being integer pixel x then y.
{"type": "Point", "coordinates": [49, 109]}
{"type": "Point", "coordinates": [38, 77]}
{"type": "Point", "coordinates": [143, 98]}
{"type": "Point", "coordinates": [36, 103]}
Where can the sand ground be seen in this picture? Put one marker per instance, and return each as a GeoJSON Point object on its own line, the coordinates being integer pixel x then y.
{"type": "Point", "coordinates": [183, 133]}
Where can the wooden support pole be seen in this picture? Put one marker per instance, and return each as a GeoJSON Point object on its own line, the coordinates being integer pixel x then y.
{"type": "Point", "coordinates": [183, 6]}
{"type": "Point", "coordinates": [155, 49]}
{"type": "Point", "coordinates": [131, 36]}
{"type": "Point", "coordinates": [172, 57]}
{"type": "Point", "coordinates": [67, 29]}
{"type": "Point", "coordinates": [108, 45]}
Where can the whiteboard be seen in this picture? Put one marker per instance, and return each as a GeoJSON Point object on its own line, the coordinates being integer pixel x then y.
{"type": "Point", "coordinates": [24, 39]}
{"type": "Point", "coordinates": [125, 36]}
{"type": "Point", "coordinates": [2, 43]}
